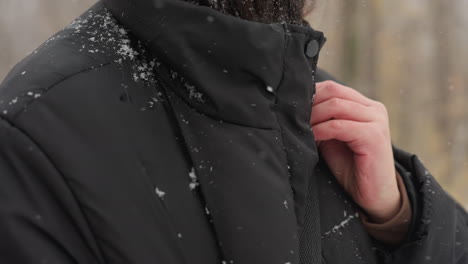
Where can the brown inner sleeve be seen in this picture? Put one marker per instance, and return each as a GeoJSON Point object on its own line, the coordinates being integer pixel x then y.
{"type": "Point", "coordinates": [393, 231]}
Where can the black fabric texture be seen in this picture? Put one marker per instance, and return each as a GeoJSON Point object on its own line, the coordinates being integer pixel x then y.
{"type": "Point", "coordinates": [165, 132]}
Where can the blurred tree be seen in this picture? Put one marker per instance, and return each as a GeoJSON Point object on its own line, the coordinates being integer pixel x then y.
{"type": "Point", "coordinates": [25, 24]}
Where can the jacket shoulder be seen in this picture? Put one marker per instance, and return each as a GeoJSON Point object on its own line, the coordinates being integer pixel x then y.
{"type": "Point", "coordinates": [90, 43]}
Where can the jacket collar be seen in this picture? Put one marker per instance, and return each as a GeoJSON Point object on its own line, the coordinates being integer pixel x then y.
{"type": "Point", "coordinates": [234, 66]}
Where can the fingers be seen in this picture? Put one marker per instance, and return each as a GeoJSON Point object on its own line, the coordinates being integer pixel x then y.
{"type": "Point", "coordinates": [342, 130]}
{"type": "Point", "coordinates": [329, 89]}
{"type": "Point", "coordinates": [353, 136]}
{"type": "Point", "coordinates": [343, 114]}
{"type": "Point", "coordinates": [337, 108]}
{"type": "Point", "coordinates": [357, 135]}
{"type": "Point", "coordinates": [335, 101]}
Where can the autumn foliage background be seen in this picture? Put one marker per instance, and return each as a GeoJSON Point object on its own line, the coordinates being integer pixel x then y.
{"type": "Point", "coordinates": [411, 55]}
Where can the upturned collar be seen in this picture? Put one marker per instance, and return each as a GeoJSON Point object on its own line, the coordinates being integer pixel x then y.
{"type": "Point", "coordinates": [237, 65]}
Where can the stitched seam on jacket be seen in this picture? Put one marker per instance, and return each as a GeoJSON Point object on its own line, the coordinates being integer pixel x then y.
{"type": "Point", "coordinates": [49, 88]}
{"type": "Point", "coordinates": [280, 129]}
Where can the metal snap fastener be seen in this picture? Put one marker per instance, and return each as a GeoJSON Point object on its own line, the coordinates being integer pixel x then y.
{"type": "Point", "coordinates": [312, 48]}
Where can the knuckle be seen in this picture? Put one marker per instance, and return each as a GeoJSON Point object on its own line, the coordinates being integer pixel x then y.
{"type": "Point", "coordinates": [336, 102]}
{"type": "Point", "coordinates": [328, 83]}
{"type": "Point", "coordinates": [384, 111]}
{"type": "Point", "coordinates": [379, 133]}
{"type": "Point", "coordinates": [381, 106]}
{"type": "Point", "coordinates": [331, 86]}
{"type": "Point", "coordinates": [336, 124]}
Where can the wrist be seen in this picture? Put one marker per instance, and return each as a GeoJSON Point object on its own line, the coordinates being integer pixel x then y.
{"type": "Point", "coordinates": [387, 207]}
{"type": "Point", "coordinates": [385, 212]}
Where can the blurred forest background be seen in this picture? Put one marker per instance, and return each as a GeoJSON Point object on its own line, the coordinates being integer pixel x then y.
{"type": "Point", "coordinates": [411, 55]}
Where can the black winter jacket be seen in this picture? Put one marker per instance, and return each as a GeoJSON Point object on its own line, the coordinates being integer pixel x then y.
{"type": "Point", "coordinates": [164, 132]}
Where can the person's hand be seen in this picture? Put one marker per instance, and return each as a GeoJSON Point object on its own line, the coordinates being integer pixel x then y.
{"type": "Point", "coordinates": [353, 136]}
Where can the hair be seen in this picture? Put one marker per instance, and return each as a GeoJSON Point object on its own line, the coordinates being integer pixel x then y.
{"type": "Point", "coordinates": [264, 11]}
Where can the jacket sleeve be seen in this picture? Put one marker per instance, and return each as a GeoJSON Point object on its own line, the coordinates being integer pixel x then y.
{"type": "Point", "coordinates": [439, 228]}
{"type": "Point", "coordinates": [40, 220]}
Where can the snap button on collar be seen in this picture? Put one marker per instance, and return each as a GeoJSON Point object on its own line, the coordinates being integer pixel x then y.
{"type": "Point", "coordinates": [312, 48]}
